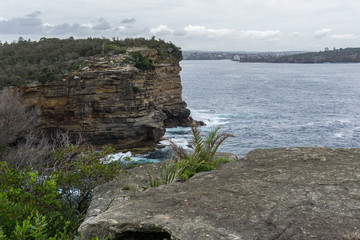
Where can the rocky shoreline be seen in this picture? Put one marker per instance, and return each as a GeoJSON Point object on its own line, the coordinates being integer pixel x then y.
{"type": "Point", "coordinates": [288, 193]}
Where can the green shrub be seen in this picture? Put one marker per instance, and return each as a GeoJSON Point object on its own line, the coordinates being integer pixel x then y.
{"type": "Point", "coordinates": [54, 205]}
{"type": "Point", "coordinates": [115, 49]}
{"type": "Point", "coordinates": [23, 195]}
{"type": "Point", "coordinates": [141, 62]}
{"type": "Point", "coordinates": [135, 89]}
{"type": "Point", "coordinates": [77, 177]}
{"type": "Point", "coordinates": [31, 228]}
{"type": "Point", "coordinates": [46, 76]}
{"type": "Point", "coordinates": [2, 235]}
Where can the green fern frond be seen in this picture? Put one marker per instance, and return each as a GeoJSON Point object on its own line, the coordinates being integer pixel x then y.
{"type": "Point", "coordinates": [188, 164]}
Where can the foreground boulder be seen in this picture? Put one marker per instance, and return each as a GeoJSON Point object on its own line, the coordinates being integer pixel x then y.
{"type": "Point", "coordinates": [290, 193]}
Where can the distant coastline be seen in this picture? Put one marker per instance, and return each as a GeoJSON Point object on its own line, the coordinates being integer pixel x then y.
{"type": "Point", "coordinates": [346, 55]}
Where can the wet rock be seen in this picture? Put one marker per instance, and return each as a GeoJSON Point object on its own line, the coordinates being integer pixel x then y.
{"type": "Point", "coordinates": [289, 193]}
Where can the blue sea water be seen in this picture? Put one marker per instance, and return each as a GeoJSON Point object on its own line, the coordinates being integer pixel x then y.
{"type": "Point", "coordinates": [268, 105]}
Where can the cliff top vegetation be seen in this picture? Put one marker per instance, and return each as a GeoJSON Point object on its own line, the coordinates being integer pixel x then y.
{"type": "Point", "coordinates": [335, 56]}
{"type": "Point", "coordinates": [24, 61]}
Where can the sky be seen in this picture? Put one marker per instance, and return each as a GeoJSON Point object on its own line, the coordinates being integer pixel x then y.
{"type": "Point", "coordinates": [208, 25]}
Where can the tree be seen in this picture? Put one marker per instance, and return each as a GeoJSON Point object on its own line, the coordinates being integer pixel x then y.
{"type": "Point", "coordinates": [15, 119]}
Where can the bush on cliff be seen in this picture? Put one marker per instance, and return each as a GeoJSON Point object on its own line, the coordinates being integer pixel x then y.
{"type": "Point", "coordinates": [45, 186]}
{"type": "Point", "coordinates": [142, 62]}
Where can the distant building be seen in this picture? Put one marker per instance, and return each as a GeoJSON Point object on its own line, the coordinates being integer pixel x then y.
{"type": "Point", "coordinates": [236, 58]}
{"type": "Point", "coordinates": [326, 49]}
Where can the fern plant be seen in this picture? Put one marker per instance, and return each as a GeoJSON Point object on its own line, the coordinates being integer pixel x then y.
{"type": "Point", "coordinates": [189, 163]}
{"type": "Point", "coordinates": [202, 157]}
{"type": "Point", "coordinates": [169, 173]}
{"type": "Point", "coordinates": [204, 148]}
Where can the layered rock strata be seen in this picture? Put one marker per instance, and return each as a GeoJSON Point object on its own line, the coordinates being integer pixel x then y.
{"type": "Point", "coordinates": [110, 101]}
{"type": "Point", "coordinates": [289, 193]}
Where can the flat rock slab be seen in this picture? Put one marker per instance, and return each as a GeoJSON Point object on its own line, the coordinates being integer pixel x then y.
{"type": "Point", "coordinates": [289, 193]}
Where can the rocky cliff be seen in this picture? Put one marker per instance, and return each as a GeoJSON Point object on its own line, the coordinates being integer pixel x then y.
{"type": "Point", "coordinates": [110, 101]}
{"type": "Point", "coordinates": [289, 193]}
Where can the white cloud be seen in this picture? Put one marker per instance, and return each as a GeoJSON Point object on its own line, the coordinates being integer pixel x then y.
{"type": "Point", "coordinates": [196, 30]}
{"type": "Point", "coordinates": [221, 32]}
{"type": "Point", "coordinates": [321, 33]}
{"type": "Point", "coordinates": [2, 19]}
{"type": "Point", "coordinates": [261, 35]}
{"type": "Point", "coordinates": [208, 32]}
{"type": "Point", "coordinates": [162, 29]}
{"type": "Point", "coordinates": [87, 25]}
{"type": "Point", "coordinates": [232, 33]}
{"type": "Point", "coordinates": [121, 28]}
{"type": "Point", "coordinates": [47, 25]}
{"type": "Point", "coordinates": [295, 34]}
{"type": "Point", "coordinates": [344, 36]}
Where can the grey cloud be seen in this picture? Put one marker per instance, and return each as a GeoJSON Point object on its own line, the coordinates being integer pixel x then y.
{"type": "Point", "coordinates": [179, 33]}
{"type": "Point", "coordinates": [32, 25]}
{"type": "Point", "coordinates": [128, 20]}
{"type": "Point", "coordinates": [136, 32]}
{"type": "Point", "coordinates": [103, 25]}
{"type": "Point", "coordinates": [23, 25]}
{"type": "Point", "coordinates": [33, 15]}
{"type": "Point", "coordinates": [67, 29]}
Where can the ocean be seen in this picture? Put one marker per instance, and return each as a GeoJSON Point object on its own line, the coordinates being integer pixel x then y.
{"type": "Point", "coordinates": [269, 105]}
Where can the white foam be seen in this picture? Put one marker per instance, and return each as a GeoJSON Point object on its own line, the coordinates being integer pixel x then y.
{"type": "Point", "coordinates": [117, 157]}
{"type": "Point", "coordinates": [181, 136]}
{"type": "Point", "coordinates": [209, 117]}
{"type": "Point", "coordinates": [344, 120]}
{"type": "Point", "coordinates": [339, 135]}
{"type": "Point", "coordinates": [180, 142]}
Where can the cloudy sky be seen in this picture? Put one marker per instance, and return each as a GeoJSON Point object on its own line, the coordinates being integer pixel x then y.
{"type": "Point", "coordinates": [225, 25]}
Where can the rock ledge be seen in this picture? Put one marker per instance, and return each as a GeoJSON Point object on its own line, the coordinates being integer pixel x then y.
{"type": "Point", "coordinates": [289, 193]}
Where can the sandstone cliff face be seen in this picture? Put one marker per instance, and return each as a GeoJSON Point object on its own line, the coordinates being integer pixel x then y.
{"type": "Point", "coordinates": [109, 101]}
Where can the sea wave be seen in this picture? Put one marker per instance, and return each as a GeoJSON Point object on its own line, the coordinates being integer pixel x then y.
{"type": "Point", "coordinates": [210, 118]}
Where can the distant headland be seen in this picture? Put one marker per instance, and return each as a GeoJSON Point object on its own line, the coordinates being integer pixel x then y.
{"type": "Point", "coordinates": [342, 55]}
